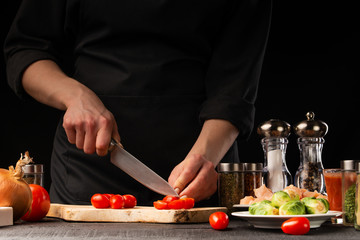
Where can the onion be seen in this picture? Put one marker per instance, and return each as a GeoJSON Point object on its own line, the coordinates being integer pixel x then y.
{"type": "Point", "coordinates": [14, 191]}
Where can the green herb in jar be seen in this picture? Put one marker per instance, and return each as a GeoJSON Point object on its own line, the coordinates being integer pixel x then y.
{"type": "Point", "coordinates": [349, 204]}
{"type": "Point", "coordinates": [230, 188]}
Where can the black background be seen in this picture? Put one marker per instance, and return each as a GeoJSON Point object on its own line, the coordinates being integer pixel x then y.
{"type": "Point", "coordinates": [311, 64]}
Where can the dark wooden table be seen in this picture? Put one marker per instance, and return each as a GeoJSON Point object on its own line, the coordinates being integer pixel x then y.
{"type": "Point", "coordinates": [51, 228]}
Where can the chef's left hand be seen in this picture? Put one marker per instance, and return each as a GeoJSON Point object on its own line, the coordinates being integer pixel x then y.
{"type": "Point", "coordinates": [194, 177]}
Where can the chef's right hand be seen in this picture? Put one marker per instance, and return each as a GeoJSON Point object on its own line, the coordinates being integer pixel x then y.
{"type": "Point", "coordinates": [89, 124]}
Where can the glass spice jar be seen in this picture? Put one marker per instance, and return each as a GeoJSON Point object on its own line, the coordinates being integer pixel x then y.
{"type": "Point", "coordinates": [230, 184]}
{"type": "Point", "coordinates": [34, 174]}
{"type": "Point", "coordinates": [348, 183]}
{"type": "Point", "coordinates": [252, 177]}
{"type": "Point", "coordinates": [274, 142]}
{"type": "Point", "coordinates": [310, 174]}
{"type": "Point", "coordinates": [357, 198]}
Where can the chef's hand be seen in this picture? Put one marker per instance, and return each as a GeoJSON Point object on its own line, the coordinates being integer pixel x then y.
{"type": "Point", "coordinates": [194, 177]}
{"type": "Point", "coordinates": [89, 125]}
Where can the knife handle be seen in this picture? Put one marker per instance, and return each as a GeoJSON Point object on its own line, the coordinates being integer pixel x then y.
{"type": "Point", "coordinates": [113, 144]}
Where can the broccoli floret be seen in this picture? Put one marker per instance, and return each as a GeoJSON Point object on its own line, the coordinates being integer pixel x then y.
{"type": "Point", "coordinates": [349, 204]}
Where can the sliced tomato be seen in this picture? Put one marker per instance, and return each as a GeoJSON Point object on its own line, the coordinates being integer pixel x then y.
{"type": "Point", "coordinates": [160, 204]}
{"type": "Point", "coordinates": [176, 204]}
{"type": "Point", "coordinates": [170, 198]}
{"type": "Point", "coordinates": [188, 203]}
{"type": "Point", "coordinates": [129, 201]}
{"type": "Point", "coordinates": [100, 201]}
{"type": "Point", "coordinates": [117, 201]}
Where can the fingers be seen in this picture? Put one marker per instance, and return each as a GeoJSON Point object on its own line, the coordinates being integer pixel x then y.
{"type": "Point", "coordinates": [206, 180]}
{"type": "Point", "coordinates": [89, 133]}
{"type": "Point", "coordinates": [188, 173]}
{"type": "Point", "coordinates": [196, 178]}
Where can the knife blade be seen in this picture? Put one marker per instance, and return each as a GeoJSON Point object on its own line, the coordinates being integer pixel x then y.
{"type": "Point", "coordinates": [138, 170]}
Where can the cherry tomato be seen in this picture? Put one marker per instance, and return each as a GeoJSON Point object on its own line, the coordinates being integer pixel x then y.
{"type": "Point", "coordinates": [296, 226]}
{"type": "Point", "coordinates": [189, 203]}
{"type": "Point", "coordinates": [176, 204]}
{"type": "Point", "coordinates": [160, 204]}
{"type": "Point", "coordinates": [108, 195]}
{"type": "Point", "coordinates": [219, 220]}
{"type": "Point", "coordinates": [40, 204]}
{"type": "Point", "coordinates": [130, 201]}
{"type": "Point", "coordinates": [170, 198]}
{"type": "Point", "coordinates": [117, 201]}
{"type": "Point", "coordinates": [100, 201]}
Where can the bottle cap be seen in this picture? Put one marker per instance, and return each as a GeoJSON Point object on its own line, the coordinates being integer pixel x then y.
{"type": "Point", "coordinates": [230, 167]}
{"type": "Point", "coordinates": [274, 128]}
{"type": "Point", "coordinates": [253, 166]}
{"type": "Point", "coordinates": [33, 168]}
{"type": "Point", "coordinates": [348, 164]}
{"type": "Point", "coordinates": [311, 127]}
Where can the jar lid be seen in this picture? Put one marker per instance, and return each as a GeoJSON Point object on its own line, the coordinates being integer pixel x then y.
{"type": "Point", "coordinates": [358, 166]}
{"type": "Point", "coordinates": [311, 127]}
{"type": "Point", "coordinates": [230, 167]}
{"type": "Point", "coordinates": [348, 164]}
{"type": "Point", "coordinates": [33, 168]}
{"type": "Point", "coordinates": [253, 166]}
{"type": "Point", "coordinates": [274, 128]}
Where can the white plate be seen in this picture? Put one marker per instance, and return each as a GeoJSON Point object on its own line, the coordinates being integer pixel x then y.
{"type": "Point", "coordinates": [242, 206]}
{"type": "Point", "coordinates": [275, 221]}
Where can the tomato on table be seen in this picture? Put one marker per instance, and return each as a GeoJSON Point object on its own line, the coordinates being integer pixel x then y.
{"type": "Point", "coordinates": [40, 204]}
{"type": "Point", "coordinates": [296, 226]}
{"type": "Point", "coordinates": [160, 204]}
{"type": "Point", "coordinates": [117, 201]}
{"type": "Point", "coordinates": [219, 220]}
{"type": "Point", "coordinates": [100, 201]}
{"type": "Point", "coordinates": [129, 201]}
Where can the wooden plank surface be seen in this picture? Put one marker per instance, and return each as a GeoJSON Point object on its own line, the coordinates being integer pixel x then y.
{"type": "Point", "coordinates": [87, 213]}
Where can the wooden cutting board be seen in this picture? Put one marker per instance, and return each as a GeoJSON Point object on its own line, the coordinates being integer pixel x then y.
{"type": "Point", "coordinates": [6, 216]}
{"type": "Point", "coordinates": [87, 213]}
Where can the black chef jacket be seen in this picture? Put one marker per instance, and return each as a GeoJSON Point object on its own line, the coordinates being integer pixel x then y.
{"type": "Point", "coordinates": [162, 67]}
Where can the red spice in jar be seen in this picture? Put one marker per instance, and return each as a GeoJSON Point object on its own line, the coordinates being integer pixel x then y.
{"type": "Point", "coordinates": [252, 177]}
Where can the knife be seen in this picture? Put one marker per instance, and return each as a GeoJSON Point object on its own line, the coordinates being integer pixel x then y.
{"type": "Point", "coordinates": [139, 171]}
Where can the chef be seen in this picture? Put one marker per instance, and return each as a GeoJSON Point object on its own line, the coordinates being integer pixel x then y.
{"type": "Point", "coordinates": [174, 81]}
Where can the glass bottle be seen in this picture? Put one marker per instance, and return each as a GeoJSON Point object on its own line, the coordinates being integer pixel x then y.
{"type": "Point", "coordinates": [348, 185]}
{"type": "Point", "coordinates": [357, 198]}
{"type": "Point", "coordinates": [310, 174]}
{"type": "Point", "coordinates": [230, 184]}
{"type": "Point", "coordinates": [34, 174]}
{"type": "Point", "coordinates": [253, 177]}
{"type": "Point", "coordinates": [276, 175]}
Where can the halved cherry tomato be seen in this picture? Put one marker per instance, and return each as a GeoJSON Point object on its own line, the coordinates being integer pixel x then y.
{"type": "Point", "coordinates": [129, 201]}
{"type": "Point", "coordinates": [100, 201]}
{"type": "Point", "coordinates": [219, 220]}
{"type": "Point", "coordinates": [160, 204]}
{"type": "Point", "coordinates": [189, 203]}
{"type": "Point", "coordinates": [117, 201]}
{"type": "Point", "coordinates": [170, 198]}
{"type": "Point", "coordinates": [176, 204]}
{"type": "Point", "coordinates": [296, 226]}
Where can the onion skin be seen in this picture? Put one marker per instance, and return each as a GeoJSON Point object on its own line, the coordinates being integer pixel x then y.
{"type": "Point", "coordinates": [14, 191]}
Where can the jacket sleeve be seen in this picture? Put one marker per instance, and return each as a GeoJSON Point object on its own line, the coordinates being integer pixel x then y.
{"type": "Point", "coordinates": [234, 70]}
{"type": "Point", "coordinates": [36, 34]}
